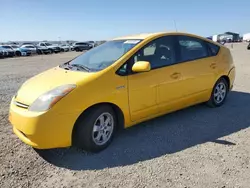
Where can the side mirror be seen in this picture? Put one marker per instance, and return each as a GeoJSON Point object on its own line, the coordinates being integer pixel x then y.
{"type": "Point", "coordinates": [141, 66]}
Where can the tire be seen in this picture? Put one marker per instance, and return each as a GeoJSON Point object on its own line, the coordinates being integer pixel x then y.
{"type": "Point", "coordinates": [219, 93]}
{"type": "Point", "coordinates": [18, 53]}
{"type": "Point", "coordinates": [39, 52]}
{"type": "Point", "coordinates": [84, 136]}
{"type": "Point", "coordinates": [51, 51]}
{"type": "Point", "coordinates": [77, 49]}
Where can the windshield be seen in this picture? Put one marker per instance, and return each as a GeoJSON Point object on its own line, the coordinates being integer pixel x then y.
{"type": "Point", "coordinates": [48, 44]}
{"type": "Point", "coordinates": [6, 47]}
{"type": "Point", "coordinates": [104, 55]}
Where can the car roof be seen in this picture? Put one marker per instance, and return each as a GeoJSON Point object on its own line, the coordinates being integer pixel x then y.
{"type": "Point", "coordinates": [138, 36]}
{"type": "Point", "coordinates": [143, 36]}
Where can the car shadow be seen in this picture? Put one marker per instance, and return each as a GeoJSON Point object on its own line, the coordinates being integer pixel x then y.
{"type": "Point", "coordinates": [167, 134]}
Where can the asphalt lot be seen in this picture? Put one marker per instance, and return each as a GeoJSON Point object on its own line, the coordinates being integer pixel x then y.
{"type": "Point", "coordinates": [195, 147]}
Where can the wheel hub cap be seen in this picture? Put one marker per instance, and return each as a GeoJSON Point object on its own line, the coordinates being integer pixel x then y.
{"type": "Point", "coordinates": [103, 128]}
{"type": "Point", "coordinates": [220, 92]}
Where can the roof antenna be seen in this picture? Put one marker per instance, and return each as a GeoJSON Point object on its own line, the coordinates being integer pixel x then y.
{"type": "Point", "coordinates": [175, 26]}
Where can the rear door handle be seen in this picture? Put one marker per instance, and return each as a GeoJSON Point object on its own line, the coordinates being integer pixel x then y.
{"type": "Point", "coordinates": [175, 75]}
{"type": "Point", "coordinates": [213, 65]}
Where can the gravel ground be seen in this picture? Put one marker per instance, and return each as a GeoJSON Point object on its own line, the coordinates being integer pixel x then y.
{"type": "Point", "coordinates": [194, 147]}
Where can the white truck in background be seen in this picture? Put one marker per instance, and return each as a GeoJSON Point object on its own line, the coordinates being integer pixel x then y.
{"type": "Point", "coordinates": [51, 48]}
{"type": "Point", "coordinates": [246, 37]}
{"type": "Point", "coordinates": [215, 38]}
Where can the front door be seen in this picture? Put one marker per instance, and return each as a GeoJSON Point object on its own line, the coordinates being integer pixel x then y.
{"type": "Point", "coordinates": [148, 90]}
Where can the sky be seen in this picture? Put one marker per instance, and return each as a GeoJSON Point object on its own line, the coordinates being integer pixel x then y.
{"type": "Point", "coordinates": [105, 19]}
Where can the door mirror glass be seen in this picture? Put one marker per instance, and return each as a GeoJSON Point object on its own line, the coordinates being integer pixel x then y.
{"type": "Point", "coordinates": [141, 66]}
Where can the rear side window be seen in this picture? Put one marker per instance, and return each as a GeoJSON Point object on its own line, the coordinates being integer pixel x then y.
{"type": "Point", "coordinates": [214, 49]}
{"type": "Point", "coordinates": [191, 48]}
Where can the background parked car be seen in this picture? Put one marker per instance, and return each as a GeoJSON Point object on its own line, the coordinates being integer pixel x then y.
{"type": "Point", "coordinates": [81, 46]}
{"type": "Point", "coordinates": [14, 47]}
{"type": "Point", "coordinates": [11, 52]}
{"type": "Point", "coordinates": [42, 50]}
{"type": "Point", "coordinates": [52, 48]}
{"type": "Point", "coordinates": [92, 43]}
{"type": "Point", "coordinates": [22, 51]}
{"type": "Point", "coordinates": [72, 47]}
{"type": "Point", "coordinates": [31, 48]}
{"type": "Point", "coordinates": [3, 52]}
{"type": "Point", "coordinates": [248, 47]}
{"type": "Point", "coordinates": [64, 48]}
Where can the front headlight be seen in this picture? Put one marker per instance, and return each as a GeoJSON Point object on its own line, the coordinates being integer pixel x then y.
{"type": "Point", "coordinates": [49, 99]}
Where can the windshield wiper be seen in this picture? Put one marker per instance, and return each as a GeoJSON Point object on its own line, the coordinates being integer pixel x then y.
{"type": "Point", "coordinates": [81, 66]}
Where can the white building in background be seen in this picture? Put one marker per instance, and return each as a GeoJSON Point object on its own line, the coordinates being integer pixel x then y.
{"type": "Point", "coordinates": [246, 37]}
{"type": "Point", "coordinates": [215, 38]}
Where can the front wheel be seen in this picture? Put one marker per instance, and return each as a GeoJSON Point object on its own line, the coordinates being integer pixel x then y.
{"type": "Point", "coordinates": [94, 131]}
{"type": "Point", "coordinates": [51, 51]}
{"type": "Point", "coordinates": [219, 93]}
{"type": "Point", "coordinates": [18, 53]}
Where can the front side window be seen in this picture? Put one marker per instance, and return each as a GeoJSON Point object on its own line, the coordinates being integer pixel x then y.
{"type": "Point", "coordinates": [191, 48]}
{"type": "Point", "coordinates": [104, 55]}
{"type": "Point", "coordinates": [159, 53]}
{"type": "Point", "coordinates": [213, 48]}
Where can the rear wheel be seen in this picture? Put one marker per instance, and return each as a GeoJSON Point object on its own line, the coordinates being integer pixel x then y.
{"type": "Point", "coordinates": [94, 131]}
{"type": "Point", "coordinates": [219, 93]}
{"type": "Point", "coordinates": [18, 53]}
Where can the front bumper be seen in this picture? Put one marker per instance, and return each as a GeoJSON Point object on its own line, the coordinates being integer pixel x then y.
{"type": "Point", "coordinates": [42, 130]}
{"type": "Point", "coordinates": [11, 54]}
{"type": "Point", "coordinates": [57, 49]}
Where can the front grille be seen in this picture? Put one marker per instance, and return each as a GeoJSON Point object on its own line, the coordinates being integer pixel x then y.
{"type": "Point", "coordinates": [21, 105]}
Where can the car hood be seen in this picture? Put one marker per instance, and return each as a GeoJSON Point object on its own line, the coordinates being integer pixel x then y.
{"type": "Point", "coordinates": [48, 80]}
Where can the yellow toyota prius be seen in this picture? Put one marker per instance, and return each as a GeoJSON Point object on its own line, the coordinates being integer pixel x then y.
{"type": "Point", "coordinates": [118, 84]}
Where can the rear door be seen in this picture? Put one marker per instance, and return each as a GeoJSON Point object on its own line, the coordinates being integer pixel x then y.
{"type": "Point", "coordinates": [197, 66]}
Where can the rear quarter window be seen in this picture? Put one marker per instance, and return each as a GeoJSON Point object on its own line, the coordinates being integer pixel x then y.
{"type": "Point", "coordinates": [214, 49]}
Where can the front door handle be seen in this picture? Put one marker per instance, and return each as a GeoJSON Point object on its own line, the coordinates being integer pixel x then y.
{"type": "Point", "coordinates": [175, 75]}
{"type": "Point", "coordinates": [213, 65]}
